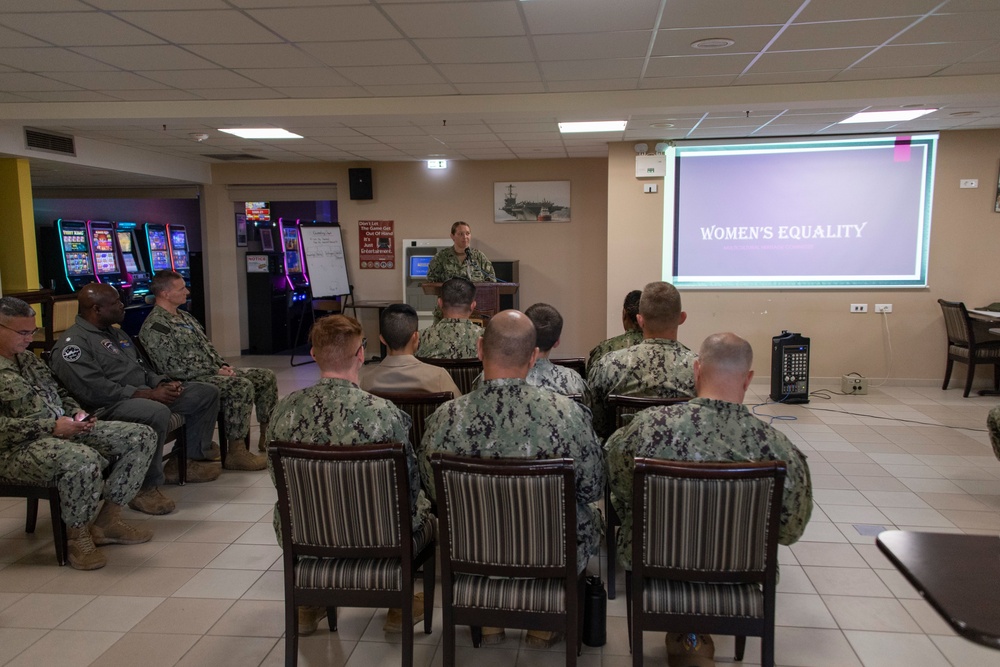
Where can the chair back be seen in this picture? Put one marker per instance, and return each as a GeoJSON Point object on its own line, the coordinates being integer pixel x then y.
{"type": "Point", "coordinates": [506, 517]}
{"type": "Point", "coordinates": [463, 371]}
{"type": "Point", "coordinates": [341, 501]}
{"type": "Point", "coordinates": [956, 323]}
{"type": "Point", "coordinates": [625, 407]}
{"type": "Point", "coordinates": [578, 364]}
{"type": "Point", "coordinates": [706, 522]}
{"type": "Point", "coordinates": [419, 405]}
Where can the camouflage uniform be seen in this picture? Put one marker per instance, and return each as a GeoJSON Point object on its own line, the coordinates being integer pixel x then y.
{"type": "Point", "coordinates": [446, 264]}
{"type": "Point", "coordinates": [704, 429]}
{"type": "Point", "coordinates": [655, 367]}
{"type": "Point", "coordinates": [620, 342]}
{"type": "Point", "coordinates": [450, 339]}
{"type": "Point", "coordinates": [993, 422]}
{"type": "Point", "coordinates": [508, 418]}
{"type": "Point", "coordinates": [337, 412]}
{"type": "Point", "coordinates": [103, 370]}
{"type": "Point", "coordinates": [559, 379]}
{"type": "Point", "coordinates": [30, 403]}
{"type": "Point", "coordinates": [178, 347]}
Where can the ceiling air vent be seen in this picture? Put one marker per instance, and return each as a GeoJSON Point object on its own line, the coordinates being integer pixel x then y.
{"type": "Point", "coordinates": [233, 157]}
{"type": "Point", "coordinates": [52, 142]}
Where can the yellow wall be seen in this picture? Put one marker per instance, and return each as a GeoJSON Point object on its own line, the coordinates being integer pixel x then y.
{"type": "Point", "coordinates": [18, 259]}
{"type": "Point", "coordinates": [964, 265]}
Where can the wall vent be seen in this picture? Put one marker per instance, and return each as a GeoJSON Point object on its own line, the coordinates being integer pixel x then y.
{"type": "Point", "coordinates": [233, 157]}
{"type": "Point", "coordinates": [53, 142]}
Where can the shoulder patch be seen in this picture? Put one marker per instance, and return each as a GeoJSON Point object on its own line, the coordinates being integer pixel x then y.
{"type": "Point", "coordinates": [160, 328]}
{"type": "Point", "coordinates": [71, 353]}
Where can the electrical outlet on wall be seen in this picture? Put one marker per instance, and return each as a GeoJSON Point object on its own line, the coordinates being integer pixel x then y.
{"type": "Point", "coordinates": [859, 307]}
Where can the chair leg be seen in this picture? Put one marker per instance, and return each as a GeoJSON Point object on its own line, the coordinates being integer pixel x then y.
{"type": "Point", "coordinates": [612, 527]}
{"type": "Point", "coordinates": [331, 618]}
{"type": "Point", "coordinates": [408, 628]}
{"type": "Point", "coordinates": [429, 579]}
{"type": "Point", "coordinates": [741, 646]}
{"type": "Point", "coordinates": [291, 632]}
{"type": "Point", "coordinates": [477, 635]}
{"type": "Point", "coordinates": [31, 516]}
{"type": "Point", "coordinates": [767, 646]}
{"type": "Point", "coordinates": [628, 606]}
{"type": "Point", "coordinates": [448, 618]}
{"type": "Point", "coordinates": [996, 377]}
{"type": "Point", "coordinates": [969, 378]}
{"type": "Point", "coordinates": [59, 536]}
{"type": "Point", "coordinates": [947, 373]}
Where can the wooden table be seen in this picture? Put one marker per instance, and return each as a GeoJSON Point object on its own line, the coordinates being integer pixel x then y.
{"type": "Point", "coordinates": [957, 574]}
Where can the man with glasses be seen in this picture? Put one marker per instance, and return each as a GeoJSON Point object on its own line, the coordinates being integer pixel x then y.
{"type": "Point", "coordinates": [335, 411]}
{"type": "Point", "coordinates": [46, 436]}
{"type": "Point", "coordinates": [100, 366]}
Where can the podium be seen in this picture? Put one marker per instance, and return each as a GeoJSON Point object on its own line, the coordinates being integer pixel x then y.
{"type": "Point", "coordinates": [487, 295]}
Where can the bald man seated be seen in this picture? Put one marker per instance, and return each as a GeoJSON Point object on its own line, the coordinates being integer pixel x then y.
{"type": "Point", "coordinates": [100, 366]}
{"type": "Point", "coordinates": [505, 417]}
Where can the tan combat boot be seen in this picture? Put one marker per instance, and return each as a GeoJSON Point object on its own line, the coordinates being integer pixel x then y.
{"type": "Point", "coordinates": [82, 553]}
{"type": "Point", "coordinates": [239, 458]}
{"type": "Point", "coordinates": [108, 528]}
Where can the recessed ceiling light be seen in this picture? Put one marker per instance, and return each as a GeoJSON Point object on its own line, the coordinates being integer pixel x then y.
{"type": "Point", "coordinates": [713, 43]}
{"type": "Point", "coordinates": [887, 116]}
{"type": "Point", "coordinates": [661, 126]}
{"type": "Point", "coordinates": [593, 126]}
{"type": "Point", "coordinates": [918, 105]}
{"type": "Point", "coordinates": [964, 113]}
{"type": "Point", "coordinates": [261, 133]}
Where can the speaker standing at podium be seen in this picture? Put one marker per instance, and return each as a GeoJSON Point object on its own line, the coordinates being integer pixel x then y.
{"type": "Point", "coordinates": [461, 260]}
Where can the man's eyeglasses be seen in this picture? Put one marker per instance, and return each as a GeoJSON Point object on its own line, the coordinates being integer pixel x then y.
{"type": "Point", "coordinates": [22, 333]}
{"type": "Point", "coordinates": [364, 345]}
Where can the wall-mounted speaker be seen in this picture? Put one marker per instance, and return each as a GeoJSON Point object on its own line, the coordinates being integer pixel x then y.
{"type": "Point", "coordinates": [360, 180]}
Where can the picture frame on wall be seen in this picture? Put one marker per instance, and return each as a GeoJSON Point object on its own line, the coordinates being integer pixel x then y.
{"type": "Point", "coordinates": [241, 230]}
{"type": "Point", "coordinates": [531, 201]}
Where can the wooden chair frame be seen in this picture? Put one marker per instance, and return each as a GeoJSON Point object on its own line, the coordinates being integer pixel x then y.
{"type": "Point", "coordinates": [961, 330]}
{"type": "Point", "coordinates": [463, 371]}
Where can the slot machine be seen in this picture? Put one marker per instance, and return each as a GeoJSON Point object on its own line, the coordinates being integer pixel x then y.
{"type": "Point", "coordinates": [78, 269]}
{"type": "Point", "coordinates": [277, 290]}
{"type": "Point", "coordinates": [295, 263]}
{"type": "Point", "coordinates": [158, 247]}
{"type": "Point", "coordinates": [126, 235]}
{"type": "Point", "coordinates": [105, 254]}
{"type": "Point", "coordinates": [180, 258]}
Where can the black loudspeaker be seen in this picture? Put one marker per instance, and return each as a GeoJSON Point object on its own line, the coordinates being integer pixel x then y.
{"type": "Point", "coordinates": [361, 183]}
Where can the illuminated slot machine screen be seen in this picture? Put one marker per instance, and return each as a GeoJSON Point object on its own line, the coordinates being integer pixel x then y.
{"type": "Point", "coordinates": [74, 240]}
{"type": "Point", "coordinates": [125, 242]}
{"type": "Point", "coordinates": [292, 262]}
{"type": "Point", "coordinates": [103, 243]}
{"type": "Point", "coordinates": [130, 264]}
{"type": "Point", "coordinates": [178, 239]}
{"type": "Point", "coordinates": [78, 264]}
{"type": "Point", "coordinates": [159, 251]}
{"type": "Point", "coordinates": [180, 260]}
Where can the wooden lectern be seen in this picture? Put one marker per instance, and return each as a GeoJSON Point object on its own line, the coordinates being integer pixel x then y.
{"type": "Point", "coordinates": [487, 295]}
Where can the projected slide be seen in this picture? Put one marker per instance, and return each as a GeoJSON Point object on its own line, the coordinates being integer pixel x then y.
{"type": "Point", "coordinates": [830, 213]}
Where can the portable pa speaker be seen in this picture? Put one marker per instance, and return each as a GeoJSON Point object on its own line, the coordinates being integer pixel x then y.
{"type": "Point", "coordinates": [361, 183]}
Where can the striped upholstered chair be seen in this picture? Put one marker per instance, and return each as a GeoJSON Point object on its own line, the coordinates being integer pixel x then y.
{"type": "Point", "coordinates": [418, 404]}
{"type": "Point", "coordinates": [508, 547]}
{"type": "Point", "coordinates": [347, 535]}
{"type": "Point", "coordinates": [463, 371]}
{"type": "Point", "coordinates": [624, 408]}
{"type": "Point", "coordinates": [704, 550]}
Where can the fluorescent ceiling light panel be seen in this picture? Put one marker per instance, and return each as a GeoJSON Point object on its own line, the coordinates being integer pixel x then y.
{"type": "Point", "coordinates": [887, 116]}
{"type": "Point", "coordinates": [261, 133]}
{"type": "Point", "coordinates": [594, 126]}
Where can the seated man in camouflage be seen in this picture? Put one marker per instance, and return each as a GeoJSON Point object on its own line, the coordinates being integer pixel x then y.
{"type": "Point", "coordinates": [178, 347]}
{"type": "Point", "coordinates": [99, 365]}
{"type": "Point", "coordinates": [715, 426]}
{"type": "Point", "coordinates": [46, 436]}
{"type": "Point", "coordinates": [455, 336]}
{"type": "Point", "coordinates": [632, 335]}
{"type": "Point", "coordinates": [401, 370]}
{"type": "Point", "coordinates": [548, 328]}
{"type": "Point", "coordinates": [658, 366]}
{"type": "Point", "coordinates": [506, 417]}
{"type": "Point", "coordinates": [335, 411]}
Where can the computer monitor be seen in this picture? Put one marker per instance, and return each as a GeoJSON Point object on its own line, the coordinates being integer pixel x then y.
{"type": "Point", "coordinates": [419, 265]}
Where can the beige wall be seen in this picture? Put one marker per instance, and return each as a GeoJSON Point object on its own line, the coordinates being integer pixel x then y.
{"type": "Point", "coordinates": [560, 263]}
{"type": "Point", "coordinates": [964, 265]}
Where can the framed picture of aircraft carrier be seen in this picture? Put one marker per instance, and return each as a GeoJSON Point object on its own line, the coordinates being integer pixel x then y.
{"type": "Point", "coordinates": [531, 201]}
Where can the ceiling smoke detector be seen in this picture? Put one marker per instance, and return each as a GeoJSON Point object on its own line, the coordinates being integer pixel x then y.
{"type": "Point", "coordinates": [198, 136]}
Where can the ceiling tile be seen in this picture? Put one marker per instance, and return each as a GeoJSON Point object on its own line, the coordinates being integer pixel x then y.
{"type": "Point", "coordinates": [963, 69]}
{"type": "Point", "coordinates": [476, 49]}
{"type": "Point", "coordinates": [385, 76]}
{"type": "Point", "coordinates": [687, 81]}
{"type": "Point", "coordinates": [191, 79]}
{"type": "Point", "coordinates": [923, 54]}
{"type": "Point", "coordinates": [798, 61]}
{"type": "Point", "coordinates": [380, 52]}
{"type": "Point", "coordinates": [839, 34]}
{"type": "Point", "coordinates": [237, 93]}
{"type": "Point", "coordinates": [201, 27]}
{"type": "Point", "coordinates": [152, 57]}
{"type": "Point", "coordinates": [19, 82]}
{"type": "Point", "coordinates": [295, 77]}
{"type": "Point", "coordinates": [154, 95]}
{"type": "Point", "coordinates": [408, 90]}
{"type": "Point", "coordinates": [865, 73]}
{"type": "Point", "coordinates": [774, 78]}
{"type": "Point", "coordinates": [118, 5]}
{"type": "Point", "coordinates": [501, 73]}
{"type": "Point", "coordinates": [592, 85]}
{"type": "Point", "coordinates": [45, 6]}
{"type": "Point", "coordinates": [678, 42]}
{"type": "Point", "coordinates": [10, 38]}
{"type": "Point", "coordinates": [716, 13]}
{"type": "Point", "coordinates": [106, 80]}
{"type": "Point", "coordinates": [500, 88]}
{"type": "Point", "coordinates": [582, 16]}
{"type": "Point", "coordinates": [78, 28]}
{"type": "Point", "coordinates": [261, 55]}
{"type": "Point", "coordinates": [714, 65]}
{"type": "Point", "coordinates": [49, 59]}
{"type": "Point", "coordinates": [458, 19]}
{"type": "Point", "coordinates": [970, 27]}
{"type": "Point", "coordinates": [842, 10]}
{"type": "Point", "coordinates": [71, 96]}
{"type": "Point", "coordinates": [326, 24]}
{"type": "Point", "coordinates": [630, 44]}
{"type": "Point", "coordinates": [620, 68]}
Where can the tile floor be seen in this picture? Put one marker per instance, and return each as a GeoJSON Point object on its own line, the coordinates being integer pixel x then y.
{"type": "Point", "coordinates": [208, 589]}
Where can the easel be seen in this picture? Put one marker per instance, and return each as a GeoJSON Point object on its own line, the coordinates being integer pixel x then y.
{"type": "Point", "coordinates": [328, 305]}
